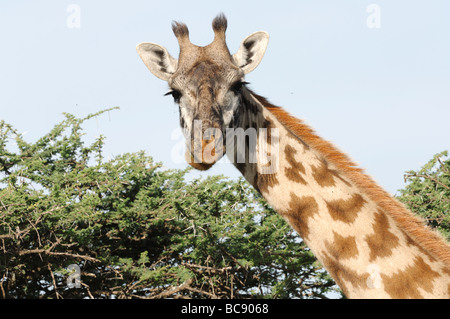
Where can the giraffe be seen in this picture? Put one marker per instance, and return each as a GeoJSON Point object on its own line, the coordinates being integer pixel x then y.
{"type": "Point", "coordinates": [369, 242]}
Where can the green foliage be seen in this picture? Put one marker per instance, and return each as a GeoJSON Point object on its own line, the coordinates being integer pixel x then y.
{"type": "Point", "coordinates": [428, 193]}
{"type": "Point", "coordinates": [137, 230]}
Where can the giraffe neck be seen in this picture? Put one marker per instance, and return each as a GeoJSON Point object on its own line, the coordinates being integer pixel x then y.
{"type": "Point", "coordinates": [369, 243]}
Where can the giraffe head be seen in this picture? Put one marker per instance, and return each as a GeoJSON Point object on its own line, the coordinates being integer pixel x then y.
{"type": "Point", "coordinates": [206, 83]}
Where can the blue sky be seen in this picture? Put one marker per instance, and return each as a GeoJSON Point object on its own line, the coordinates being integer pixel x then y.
{"type": "Point", "coordinates": [382, 95]}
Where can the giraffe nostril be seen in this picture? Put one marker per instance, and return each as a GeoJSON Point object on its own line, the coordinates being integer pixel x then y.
{"type": "Point", "coordinates": [209, 149]}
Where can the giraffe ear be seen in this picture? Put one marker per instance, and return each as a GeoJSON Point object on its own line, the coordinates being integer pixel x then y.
{"type": "Point", "coordinates": [157, 59]}
{"type": "Point", "coordinates": [251, 51]}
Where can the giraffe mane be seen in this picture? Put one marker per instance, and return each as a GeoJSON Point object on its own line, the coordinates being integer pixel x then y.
{"type": "Point", "coordinates": [410, 223]}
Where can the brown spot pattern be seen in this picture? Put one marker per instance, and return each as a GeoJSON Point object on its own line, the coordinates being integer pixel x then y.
{"type": "Point", "coordinates": [269, 125]}
{"type": "Point", "coordinates": [325, 176]}
{"type": "Point", "coordinates": [322, 175]}
{"type": "Point", "coordinates": [293, 172]}
{"type": "Point", "coordinates": [301, 209]}
{"type": "Point", "coordinates": [342, 247]}
{"type": "Point", "coordinates": [343, 275]}
{"type": "Point", "coordinates": [411, 242]}
{"type": "Point", "coordinates": [382, 242]}
{"type": "Point", "coordinates": [406, 283]}
{"type": "Point", "coordinates": [264, 181]}
{"type": "Point", "coordinates": [346, 210]}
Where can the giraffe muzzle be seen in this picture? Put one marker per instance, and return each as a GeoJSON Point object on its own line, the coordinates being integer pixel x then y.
{"type": "Point", "coordinates": [205, 153]}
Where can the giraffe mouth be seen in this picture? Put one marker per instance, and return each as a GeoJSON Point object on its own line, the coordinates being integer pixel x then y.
{"type": "Point", "coordinates": [204, 156]}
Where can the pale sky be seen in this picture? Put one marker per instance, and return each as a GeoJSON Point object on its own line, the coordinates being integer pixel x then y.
{"type": "Point", "coordinates": [382, 95]}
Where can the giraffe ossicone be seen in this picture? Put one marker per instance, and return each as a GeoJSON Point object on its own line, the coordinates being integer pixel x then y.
{"type": "Point", "coordinates": [369, 242]}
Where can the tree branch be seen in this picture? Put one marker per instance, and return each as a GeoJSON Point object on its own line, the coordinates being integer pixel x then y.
{"type": "Point", "coordinates": [58, 296]}
{"type": "Point", "coordinates": [428, 177]}
{"type": "Point", "coordinates": [206, 268]}
{"type": "Point", "coordinates": [52, 253]}
{"type": "Point", "coordinates": [172, 291]}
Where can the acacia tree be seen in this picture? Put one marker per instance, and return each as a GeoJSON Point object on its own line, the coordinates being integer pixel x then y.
{"type": "Point", "coordinates": [135, 230]}
{"type": "Point", "coordinates": [427, 193]}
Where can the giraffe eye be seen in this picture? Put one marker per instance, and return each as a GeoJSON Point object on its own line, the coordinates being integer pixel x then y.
{"type": "Point", "coordinates": [175, 94]}
{"type": "Point", "coordinates": [236, 87]}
